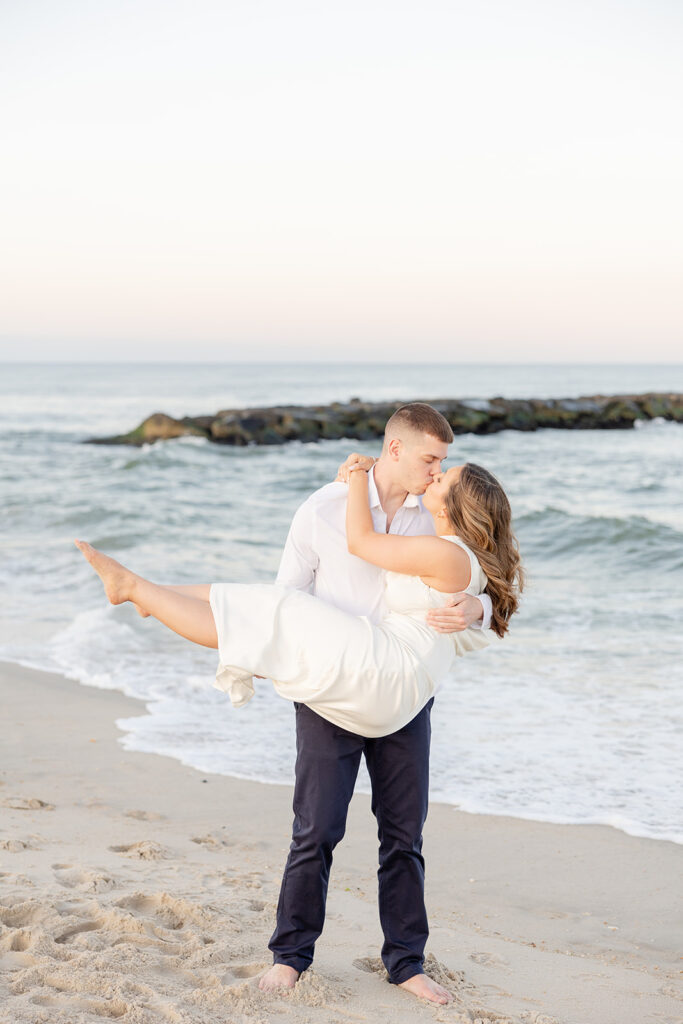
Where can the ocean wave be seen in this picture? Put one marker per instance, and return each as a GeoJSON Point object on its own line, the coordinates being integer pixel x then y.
{"type": "Point", "coordinates": [633, 541]}
{"type": "Point", "coordinates": [601, 749]}
{"type": "Point", "coordinates": [631, 827]}
{"type": "Point", "coordinates": [572, 717]}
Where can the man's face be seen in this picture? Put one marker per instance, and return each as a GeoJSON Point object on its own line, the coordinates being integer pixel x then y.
{"type": "Point", "coordinates": [417, 460]}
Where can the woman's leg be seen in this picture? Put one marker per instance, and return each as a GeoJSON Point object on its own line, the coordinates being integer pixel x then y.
{"type": "Point", "coordinates": [190, 617]}
{"type": "Point", "coordinates": [198, 590]}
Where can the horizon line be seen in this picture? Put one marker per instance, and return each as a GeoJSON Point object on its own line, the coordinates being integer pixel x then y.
{"type": "Point", "coordinates": [337, 362]}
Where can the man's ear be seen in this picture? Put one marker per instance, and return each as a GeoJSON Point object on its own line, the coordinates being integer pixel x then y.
{"type": "Point", "coordinates": [394, 448]}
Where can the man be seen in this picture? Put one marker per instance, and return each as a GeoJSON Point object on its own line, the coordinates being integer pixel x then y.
{"type": "Point", "coordinates": [316, 559]}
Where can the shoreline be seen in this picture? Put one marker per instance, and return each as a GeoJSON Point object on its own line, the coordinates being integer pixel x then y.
{"type": "Point", "coordinates": [433, 799]}
{"type": "Point", "coordinates": [135, 884]}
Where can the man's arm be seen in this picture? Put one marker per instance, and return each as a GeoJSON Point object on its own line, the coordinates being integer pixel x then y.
{"type": "Point", "coordinates": [463, 611]}
{"type": "Point", "coordinates": [299, 561]}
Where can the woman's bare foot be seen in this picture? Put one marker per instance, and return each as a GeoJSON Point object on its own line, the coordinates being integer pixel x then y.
{"type": "Point", "coordinates": [116, 578]}
{"type": "Point", "coordinates": [423, 987]}
{"type": "Point", "coordinates": [279, 976]}
{"type": "Point", "coordinates": [141, 611]}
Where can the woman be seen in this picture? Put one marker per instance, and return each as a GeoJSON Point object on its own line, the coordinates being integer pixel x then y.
{"type": "Point", "coordinates": [369, 679]}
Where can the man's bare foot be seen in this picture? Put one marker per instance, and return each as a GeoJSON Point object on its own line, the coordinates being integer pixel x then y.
{"type": "Point", "coordinates": [279, 976]}
{"type": "Point", "coordinates": [424, 988]}
{"type": "Point", "coordinates": [116, 578]}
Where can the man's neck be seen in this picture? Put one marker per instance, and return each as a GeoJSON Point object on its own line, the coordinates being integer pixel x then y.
{"type": "Point", "coordinates": [391, 494]}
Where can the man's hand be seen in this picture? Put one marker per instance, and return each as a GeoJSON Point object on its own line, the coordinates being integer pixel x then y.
{"type": "Point", "coordinates": [457, 614]}
{"type": "Point", "coordinates": [354, 461]}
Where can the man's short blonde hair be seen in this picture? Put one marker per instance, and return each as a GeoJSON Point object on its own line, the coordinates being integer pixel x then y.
{"type": "Point", "coordinates": [418, 418]}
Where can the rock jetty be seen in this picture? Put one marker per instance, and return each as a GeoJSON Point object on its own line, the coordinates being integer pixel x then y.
{"type": "Point", "coordinates": [364, 421]}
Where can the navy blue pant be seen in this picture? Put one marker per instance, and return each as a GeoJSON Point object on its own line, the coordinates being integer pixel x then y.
{"type": "Point", "coordinates": [327, 764]}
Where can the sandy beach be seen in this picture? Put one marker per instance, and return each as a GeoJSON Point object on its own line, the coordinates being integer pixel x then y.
{"type": "Point", "coordinates": [134, 888]}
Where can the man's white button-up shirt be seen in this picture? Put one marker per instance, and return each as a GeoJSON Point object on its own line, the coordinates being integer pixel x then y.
{"type": "Point", "coordinates": [316, 558]}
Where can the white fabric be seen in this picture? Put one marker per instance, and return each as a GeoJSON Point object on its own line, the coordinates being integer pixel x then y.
{"type": "Point", "coordinates": [369, 678]}
{"type": "Point", "coordinates": [316, 558]}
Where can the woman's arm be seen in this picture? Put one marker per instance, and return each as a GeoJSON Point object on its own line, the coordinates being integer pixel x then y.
{"type": "Point", "coordinates": [440, 564]}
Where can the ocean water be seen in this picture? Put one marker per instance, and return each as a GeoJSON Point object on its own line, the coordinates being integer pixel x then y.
{"type": "Point", "coordinates": [576, 717]}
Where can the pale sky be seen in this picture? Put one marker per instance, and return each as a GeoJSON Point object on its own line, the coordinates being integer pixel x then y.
{"type": "Point", "coordinates": [479, 180]}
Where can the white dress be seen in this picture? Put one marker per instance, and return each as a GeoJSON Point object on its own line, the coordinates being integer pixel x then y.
{"type": "Point", "coordinates": [371, 679]}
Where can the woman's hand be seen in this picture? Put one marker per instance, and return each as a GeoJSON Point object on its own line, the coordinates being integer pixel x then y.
{"type": "Point", "coordinates": [353, 462]}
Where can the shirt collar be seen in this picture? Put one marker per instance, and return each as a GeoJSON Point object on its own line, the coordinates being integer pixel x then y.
{"type": "Point", "coordinates": [412, 500]}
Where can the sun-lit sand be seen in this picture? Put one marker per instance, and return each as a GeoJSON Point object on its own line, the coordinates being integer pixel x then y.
{"type": "Point", "coordinates": [136, 889]}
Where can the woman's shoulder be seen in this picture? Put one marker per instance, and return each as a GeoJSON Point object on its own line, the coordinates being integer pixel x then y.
{"type": "Point", "coordinates": [454, 539]}
{"type": "Point", "coordinates": [478, 578]}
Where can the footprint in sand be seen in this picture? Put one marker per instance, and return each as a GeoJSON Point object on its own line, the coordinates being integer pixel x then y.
{"type": "Point", "coordinates": [210, 842]}
{"type": "Point", "coordinates": [97, 1008]}
{"type": "Point", "coordinates": [314, 990]}
{"type": "Point", "coordinates": [22, 929]}
{"type": "Point", "coordinates": [672, 991]}
{"type": "Point", "coordinates": [107, 1008]}
{"type": "Point", "coordinates": [22, 803]}
{"type": "Point", "coordinates": [15, 845]}
{"type": "Point", "coordinates": [533, 1017]}
{"type": "Point", "coordinates": [20, 941]}
{"type": "Point", "coordinates": [242, 971]}
{"type": "Point", "coordinates": [171, 912]}
{"type": "Point", "coordinates": [369, 964]}
{"type": "Point", "coordinates": [72, 877]}
{"type": "Point", "coordinates": [444, 975]}
{"type": "Point", "coordinates": [489, 960]}
{"type": "Point", "coordinates": [145, 815]}
{"type": "Point", "coordinates": [98, 927]}
{"type": "Point", "coordinates": [433, 967]}
{"type": "Point", "coordinates": [456, 983]}
{"type": "Point", "coordinates": [21, 914]}
{"type": "Point", "coordinates": [83, 926]}
{"type": "Point", "coordinates": [237, 881]}
{"type": "Point", "coordinates": [145, 850]}
{"type": "Point", "coordinates": [19, 880]}
{"type": "Point", "coordinates": [479, 1016]}
{"type": "Point", "coordinates": [80, 994]}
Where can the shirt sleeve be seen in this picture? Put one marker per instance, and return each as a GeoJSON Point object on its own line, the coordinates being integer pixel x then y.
{"type": "Point", "coordinates": [487, 605]}
{"type": "Point", "coordinates": [299, 561]}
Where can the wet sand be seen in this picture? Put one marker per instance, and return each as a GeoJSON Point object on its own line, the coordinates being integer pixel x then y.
{"type": "Point", "coordinates": [136, 889]}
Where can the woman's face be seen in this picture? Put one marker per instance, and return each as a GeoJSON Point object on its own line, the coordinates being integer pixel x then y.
{"type": "Point", "coordinates": [434, 498]}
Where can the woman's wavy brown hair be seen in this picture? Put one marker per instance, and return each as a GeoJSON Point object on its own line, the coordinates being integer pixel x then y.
{"type": "Point", "coordinates": [479, 510]}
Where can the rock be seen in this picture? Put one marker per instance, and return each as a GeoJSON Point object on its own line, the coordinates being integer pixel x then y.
{"type": "Point", "coordinates": [157, 427]}
{"type": "Point", "coordinates": [621, 413]}
{"type": "Point", "coordinates": [364, 421]}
